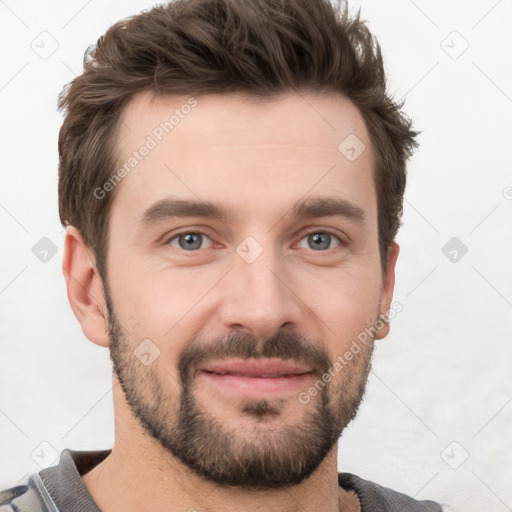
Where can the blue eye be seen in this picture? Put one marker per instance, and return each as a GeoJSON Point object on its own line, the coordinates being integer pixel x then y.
{"type": "Point", "coordinates": [192, 241]}
{"type": "Point", "coordinates": [320, 240]}
{"type": "Point", "coordinates": [189, 241]}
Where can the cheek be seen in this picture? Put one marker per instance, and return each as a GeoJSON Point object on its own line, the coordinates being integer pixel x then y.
{"type": "Point", "coordinates": [344, 297]}
{"type": "Point", "coordinates": [347, 307]}
{"type": "Point", "coordinates": [155, 296]}
{"type": "Point", "coordinates": [166, 306]}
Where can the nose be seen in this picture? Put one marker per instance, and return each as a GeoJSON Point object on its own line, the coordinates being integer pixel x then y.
{"type": "Point", "coordinates": [258, 296]}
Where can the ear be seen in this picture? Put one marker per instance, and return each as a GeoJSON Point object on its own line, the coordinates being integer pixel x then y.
{"type": "Point", "coordinates": [84, 287]}
{"type": "Point", "coordinates": [388, 285]}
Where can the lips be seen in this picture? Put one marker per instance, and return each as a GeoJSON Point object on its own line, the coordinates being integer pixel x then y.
{"type": "Point", "coordinates": [255, 379]}
{"type": "Point", "coordinates": [263, 369]}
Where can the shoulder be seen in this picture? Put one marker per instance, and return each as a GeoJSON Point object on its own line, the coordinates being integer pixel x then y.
{"type": "Point", "coordinates": [374, 497]}
{"type": "Point", "coordinates": [25, 498]}
{"type": "Point", "coordinates": [7, 496]}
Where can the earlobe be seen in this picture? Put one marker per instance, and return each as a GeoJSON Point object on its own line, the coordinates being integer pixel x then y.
{"type": "Point", "coordinates": [388, 286]}
{"type": "Point", "coordinates": [84, 288]}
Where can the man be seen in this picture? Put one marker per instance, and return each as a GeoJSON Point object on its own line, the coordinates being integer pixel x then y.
{"type": "Point", "coordinates": [231, 177]}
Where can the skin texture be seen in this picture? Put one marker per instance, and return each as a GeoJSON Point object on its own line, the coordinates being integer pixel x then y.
{"type": "Point", "coordinates": [256, 158]}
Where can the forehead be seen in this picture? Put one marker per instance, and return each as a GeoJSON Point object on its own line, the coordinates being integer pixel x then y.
{"type": "Point", "coordinates": [310, 118]}
{"type": "Point", "coordinates": [253, 153]}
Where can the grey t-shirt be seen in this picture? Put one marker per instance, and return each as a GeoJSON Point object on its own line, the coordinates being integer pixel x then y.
{"type": "Point", "coordinates": [60, 488]}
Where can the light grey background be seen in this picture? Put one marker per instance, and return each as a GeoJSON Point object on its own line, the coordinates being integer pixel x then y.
{"type": "Point", "coordinates": [436, 419]}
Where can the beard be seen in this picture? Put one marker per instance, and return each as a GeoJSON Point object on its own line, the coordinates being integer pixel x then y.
{"type": "Point", "coordinates": [257, 456]}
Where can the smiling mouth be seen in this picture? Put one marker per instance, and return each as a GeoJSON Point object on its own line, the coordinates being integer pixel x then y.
{"type": "Point", "coordinates": [256, 378]}
{"type": "Point", "coordinates": [262, 368]}
{"type": "Point", "coordinates": [258, 375]}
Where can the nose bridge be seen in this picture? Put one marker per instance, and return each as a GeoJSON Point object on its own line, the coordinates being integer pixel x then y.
{"type": "Point", "coordinates": [257, 296]}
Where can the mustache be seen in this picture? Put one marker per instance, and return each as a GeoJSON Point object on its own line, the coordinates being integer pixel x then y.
{"type": "Point", "coordinates": [244, 345]}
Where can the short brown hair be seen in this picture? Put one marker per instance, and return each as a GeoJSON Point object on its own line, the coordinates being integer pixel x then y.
{"type": "Point", "coordinates": [256, 47]}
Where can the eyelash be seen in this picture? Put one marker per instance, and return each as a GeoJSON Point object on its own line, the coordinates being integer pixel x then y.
{"type": "Point", "coordinates": [311, 232]}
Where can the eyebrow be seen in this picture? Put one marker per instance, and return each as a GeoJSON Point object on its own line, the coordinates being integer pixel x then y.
{"type": "Point", "coordinates": [327, 207]}
{"type": "Point", "coordinates": [310, 208]}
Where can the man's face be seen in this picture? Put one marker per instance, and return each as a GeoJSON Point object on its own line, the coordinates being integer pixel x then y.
{"type": "Point", "coordinates": [242, 314]}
